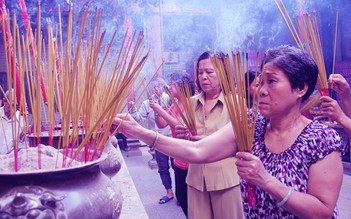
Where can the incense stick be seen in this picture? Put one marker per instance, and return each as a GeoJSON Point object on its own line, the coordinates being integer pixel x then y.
{"type": "Point", "coordinates": [335, 39]}
{"type": "Point", "coordinates": [185, 94]}
{"type": "Point", "coordinates": [94, 86]}
{"type": "Point", "coordinates": [236, 101]}
{"type": "Point", "coordinates": [177, 107]}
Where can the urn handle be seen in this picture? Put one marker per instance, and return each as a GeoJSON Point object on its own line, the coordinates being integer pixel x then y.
{"type": "Point", "coordinates": [112, 163]}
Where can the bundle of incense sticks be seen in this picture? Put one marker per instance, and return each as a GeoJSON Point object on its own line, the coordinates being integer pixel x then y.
{"type": "Point", "coordinates": [87, 87]}
{"type": "Point", "coordinates": [231, 76]}
{"type": "Point", "coordinates": [180, 109]}
{"type": "Point", "coordinates": [308, 28]}
{"type": "Point", "coordinates": [185, 94]}
{"type": "Point", "coordinates": [14, 73]}
{"type": "Point", "coordinates": [307, 37]}
{"type": "Point", "coordinates": [232, 81]}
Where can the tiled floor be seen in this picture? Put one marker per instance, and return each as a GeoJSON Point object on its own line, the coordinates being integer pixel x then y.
{"type": "Point", "coordinates": [150, 189]}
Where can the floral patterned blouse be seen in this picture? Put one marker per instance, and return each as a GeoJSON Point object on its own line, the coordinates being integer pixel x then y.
{"type": "Point", "coordinates": [290, 166]}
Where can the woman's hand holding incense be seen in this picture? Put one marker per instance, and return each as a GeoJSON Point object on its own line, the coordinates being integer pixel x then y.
{"type": "Point", "coordinates": [251, 169]}
{"type": "Point", "coordinates": [330, 108]}
{"type": "Point", "coordinates": [155, 106]}
{"type": "Point", "coordinates": [181, 131]}
{"type": "Point", "coordinates": [184, 132]}
{"type": "Point", "coordinates": [339, 84]}
{"type": "Point", "coordinates": [127, 126]}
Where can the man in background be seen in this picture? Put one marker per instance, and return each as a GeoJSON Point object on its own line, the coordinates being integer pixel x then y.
{"type": "Point", "coordinates": [145, 116]}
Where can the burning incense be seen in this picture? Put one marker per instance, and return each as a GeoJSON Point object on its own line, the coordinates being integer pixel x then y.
{"type": "Point", "coordinates": [232, 80]}
{"type": "Point", "coordinates": [26, 21]}
{"type": "Point", "coordinates": [285, 15]}
{"type": "Point", "coordinates": [335, 39]}
{"type": "Point", "coordinates": [177, 106]}
{"type": "Point", "coordinates": [12, 65]}
{"type": "Point", "coordinates": [309, 35]}
{"type": "Point", "coordinates": [185, 94]}
{"type": "Point", "coordinates": [309, 23]}
{"type": "Point", "coordinates": [146, 88]}
{"type": "Point", "coordinates": [87, 87]}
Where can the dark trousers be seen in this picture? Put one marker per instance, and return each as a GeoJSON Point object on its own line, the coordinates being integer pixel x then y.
{"type": "Point", "coordinates": [163, 169]}
{"type": "Point", "coordinates": [181, 189]}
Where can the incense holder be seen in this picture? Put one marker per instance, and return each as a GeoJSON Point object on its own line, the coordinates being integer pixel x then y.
{"type": "Point", "coordinates": [84, 191]}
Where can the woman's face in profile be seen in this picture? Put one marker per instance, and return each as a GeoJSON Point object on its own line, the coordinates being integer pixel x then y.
{"type": "Point", "coordinates": [173, 88]}
{"type": "Point", "coordinates": [276, 96]}
{"type": "Point", "coordinates": [158, 89]}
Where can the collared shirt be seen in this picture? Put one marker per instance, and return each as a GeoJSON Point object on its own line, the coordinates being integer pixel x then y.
{"type": "Point", "coordinates": [220, 174]}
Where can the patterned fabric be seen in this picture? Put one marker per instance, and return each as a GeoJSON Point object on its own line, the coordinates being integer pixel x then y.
{"type": "Point", "coordinates": [290, 166]}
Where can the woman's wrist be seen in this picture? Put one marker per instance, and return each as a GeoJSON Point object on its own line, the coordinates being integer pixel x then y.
{"type": "Point", "coordinates": [279, 191]}
{"type": "Point", "coordinates": [155, 141]}
{"type": "Point", "coordinates": [286, 197]}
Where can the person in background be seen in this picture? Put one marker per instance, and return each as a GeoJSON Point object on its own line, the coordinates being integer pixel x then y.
{"type": "Point", "coordinates": [146, 117]}
{"type": "Point", "coordinates": [2, 98]}
{"type": "Point", "coordinates": [294, 165]}
{"type": "Point", "coordinates": [11, 124]}
{"type": "Point", "coordinates": [329, 108]}
{"type": "Point", "coordinates": [252, 83]}
{"type": "Point", "coordinates": [213, 186]}
{"type": "Point", "coordinates": [172, 118]}
{"type": "Point", "coordinates": [339, 84]}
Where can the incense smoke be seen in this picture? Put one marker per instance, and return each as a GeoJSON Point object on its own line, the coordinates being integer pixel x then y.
{"type": "Point", "coordinates": [189, 28]}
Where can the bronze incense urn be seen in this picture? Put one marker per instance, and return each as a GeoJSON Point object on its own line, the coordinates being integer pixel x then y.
{"type": "Point", "coordinates": [84, 191]}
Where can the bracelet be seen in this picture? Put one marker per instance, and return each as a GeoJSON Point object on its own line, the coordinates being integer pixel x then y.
{"type": "Point", "coordinates": [285, 199]}
{"type": "Point", "coordinates": [155, 141]}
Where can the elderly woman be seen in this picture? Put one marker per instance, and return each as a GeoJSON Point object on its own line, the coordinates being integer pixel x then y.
{"type": "Point", "coordinates": [295, 163]}
{"type": "Point", "coordinates": [213, 186]}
